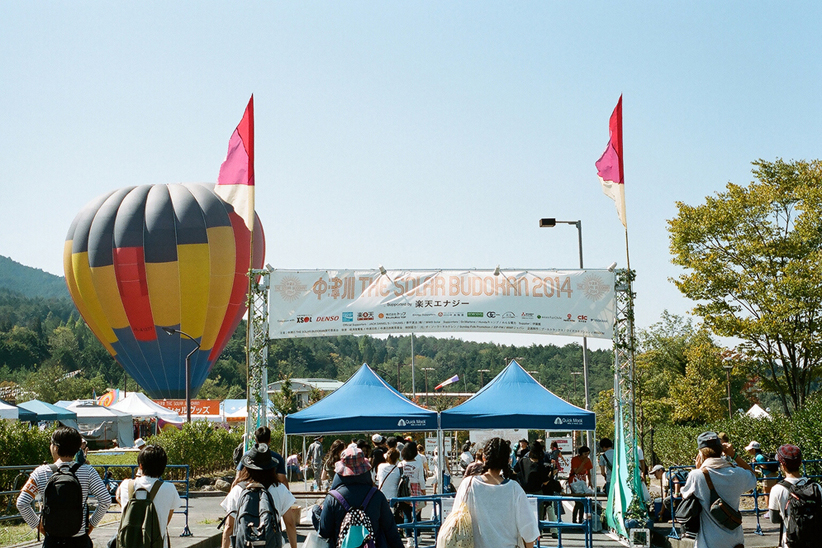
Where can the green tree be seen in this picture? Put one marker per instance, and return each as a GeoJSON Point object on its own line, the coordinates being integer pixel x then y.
{"type": "Point", "coordinates": [753, 264]}
{"type": "Point", "coordinates": [285, 401]}
{"type": "Point", "coordinates": [698, 396]}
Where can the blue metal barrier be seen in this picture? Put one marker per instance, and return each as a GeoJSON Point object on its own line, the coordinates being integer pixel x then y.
{"type": "Point", "coordinates": [434, 524]}
{"type": "Point", "coordinates": [107, 479]}
{"type": "Point", "coordinates": [755, 493]}
{"type": "Point", "coordinates": [26, 469]}
{"type": "Point", "coordinates": [559, 525]}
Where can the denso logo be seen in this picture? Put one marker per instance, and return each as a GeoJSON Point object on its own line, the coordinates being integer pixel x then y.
{"type": "Point", "coordinates": [328, 319]}
{"type": "Point", "coordinates": [303, 319]}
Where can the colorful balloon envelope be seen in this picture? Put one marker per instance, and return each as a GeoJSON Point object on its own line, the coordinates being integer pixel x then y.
{"type": "Point", "coordinates": [141, 259]}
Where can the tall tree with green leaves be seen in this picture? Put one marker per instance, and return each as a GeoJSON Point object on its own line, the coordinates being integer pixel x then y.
{"type": "Point", "coordinates": [753, 263]}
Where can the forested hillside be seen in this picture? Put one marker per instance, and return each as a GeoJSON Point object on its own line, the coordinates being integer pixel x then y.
{"type": "Point", "coordinates": [31, 282]}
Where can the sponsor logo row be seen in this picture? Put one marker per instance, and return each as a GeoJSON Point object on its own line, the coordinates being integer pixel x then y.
{"type": "Point", "coordinates": [348, 317]}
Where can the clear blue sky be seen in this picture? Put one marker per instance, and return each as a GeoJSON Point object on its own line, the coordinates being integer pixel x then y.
{"type": "Point", "coordinates": [407, 134]}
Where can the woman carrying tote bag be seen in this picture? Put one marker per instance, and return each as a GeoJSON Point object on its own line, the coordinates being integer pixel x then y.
{"type": "Point", "coordinates": [499, 512]}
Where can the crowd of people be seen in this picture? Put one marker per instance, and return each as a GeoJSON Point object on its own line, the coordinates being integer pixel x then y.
{"type": "Point", "coordinates": [362, 476]}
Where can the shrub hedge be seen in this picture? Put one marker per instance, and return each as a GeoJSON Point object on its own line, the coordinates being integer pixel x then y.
{"type": "Point", "coordinates": [673, 444]}
{"type": "Point", "coordinates": [205, 448]}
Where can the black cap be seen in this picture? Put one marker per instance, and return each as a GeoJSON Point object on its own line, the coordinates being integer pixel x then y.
{"type": "Point", "coordinates": [259, 458]}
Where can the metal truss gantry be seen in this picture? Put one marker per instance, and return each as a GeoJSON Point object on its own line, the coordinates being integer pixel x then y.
{"type": "Point", "coordinates": [624, 406]}
{"type": "Point", "coordinates": [257, 353]}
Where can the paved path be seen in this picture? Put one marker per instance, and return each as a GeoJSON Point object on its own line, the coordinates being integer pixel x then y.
{"type": "Point", "coordinates": [205, 512]}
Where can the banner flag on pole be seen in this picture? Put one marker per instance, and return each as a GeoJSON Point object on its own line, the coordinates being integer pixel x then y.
{"type": "Point", "coordinates": [609, 166]}
{"type": "Point", "coordinates": [235, 184]}
{"type": "Point", "coordinates": [443, 384]}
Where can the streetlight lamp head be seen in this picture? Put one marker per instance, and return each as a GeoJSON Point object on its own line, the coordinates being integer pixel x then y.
{"type": "Point", "coordinates": [547, 222]}
{"type": "Point", "coordinates": [496, 271]}
{"type": "Point", "coordinates": [383, 271]}
{"type": "Point", "coordinates": [169, 331]}
{"type": "Point", "coordinates": [269, 267]}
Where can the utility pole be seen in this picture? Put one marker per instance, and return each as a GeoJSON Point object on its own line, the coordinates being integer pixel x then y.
{"type": "Point", "coordinates": [575, 375]}
{"type": "Point", "coordinates": [426, 369]}
{"type": "Point", "coordinates": [481, 371]}
{"type": "Point", "coordinates": [728, 368]}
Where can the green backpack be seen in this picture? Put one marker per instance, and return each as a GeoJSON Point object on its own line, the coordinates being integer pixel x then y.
{"type": "Point", "coordinates": [140, 524]}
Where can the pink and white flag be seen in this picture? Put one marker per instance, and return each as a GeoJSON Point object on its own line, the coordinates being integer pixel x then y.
{"type": "Point", "coordinates": [235, 184]}
{"type": "Point", "coordinates": [452, 380]}
{"type": "Point", "coordinates": [609, 166]}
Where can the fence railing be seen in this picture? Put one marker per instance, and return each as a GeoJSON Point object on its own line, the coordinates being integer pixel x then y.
{"type": "Point", "coordinates": [108, 479]}
{"type": "Point", "coordinates": [557, 526]}
{"type": "Point", "coordinates": [755, 494]}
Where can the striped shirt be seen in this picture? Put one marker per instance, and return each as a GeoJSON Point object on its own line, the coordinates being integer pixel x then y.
{"type": "Point", "coordinates": [89, 480]}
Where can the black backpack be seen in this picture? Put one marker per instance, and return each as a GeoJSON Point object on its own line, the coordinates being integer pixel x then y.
{"type": "Point", "coordinates": [803, 511]}
{"type": "Point", "coordinates": [63, 506]}
{"type": "Point", "coordinates": [772, 464]}
{"type": "Point", "coordinates": [257, 523]}
{"type": "Point", "coordinates": [237, 455]}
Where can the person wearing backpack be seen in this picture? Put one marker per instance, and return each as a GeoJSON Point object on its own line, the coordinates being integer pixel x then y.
{"type": "Point", "coordinates": [796, 502]}
{"type": "Point", "coordinates": [65, 486]}
{"type": "Point", "coordinates": [354, 492]}
{"type": "Point", "coordinates": [255, 488]}
{"type": "Point", "coordinates": [135, 497]}
{"type": "Point", "coordinates": [263, 435]}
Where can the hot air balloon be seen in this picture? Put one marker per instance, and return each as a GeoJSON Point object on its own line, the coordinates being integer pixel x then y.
{"type": "Point", "coordinates": [140, 259]}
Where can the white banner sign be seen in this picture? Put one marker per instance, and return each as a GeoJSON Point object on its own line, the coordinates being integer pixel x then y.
{"type": "Point", "coordinates": [316, 303]}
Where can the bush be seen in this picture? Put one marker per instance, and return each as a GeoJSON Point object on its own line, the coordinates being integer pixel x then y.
{"type": "Point", "coordinates": [675, 444]}
{"type": "Point", "coordinates": [205, 448]}
{"type": "Point", "coordinates": [21, 445]}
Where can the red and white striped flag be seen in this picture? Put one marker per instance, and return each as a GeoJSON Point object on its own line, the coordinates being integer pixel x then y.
{"type": "Point", "coordinates": [452, 380]}
{"type": "Point", "coordinates": [609, 166]}
{"type": "Point", "coordinates": [235, 184]}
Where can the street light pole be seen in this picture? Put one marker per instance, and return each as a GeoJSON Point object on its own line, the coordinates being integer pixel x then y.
{"type": "Point", "coordinates": [550, 223]}
{"type": "Point", "coordinates": [170, 332]}
{"type": "Point", "coordinates": [728, 368]}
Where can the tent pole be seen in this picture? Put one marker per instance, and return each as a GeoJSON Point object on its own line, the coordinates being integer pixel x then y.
{"type": "Point", "coordinates": [440, 467]}
{"type": "Point", "coordinates": [304, 472]}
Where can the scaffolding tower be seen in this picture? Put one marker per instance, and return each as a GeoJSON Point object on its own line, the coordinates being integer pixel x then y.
{"type": "Point", "coordinates": [257, 353]}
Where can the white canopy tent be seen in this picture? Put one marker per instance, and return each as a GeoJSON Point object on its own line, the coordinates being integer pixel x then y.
{"type": "Point", "coordinates": [8, 412]}
{"type": "Point", "coordinates": [757, 412]}
{"type": "Point", "coordinates": [98, 423]}
{"type": "Point", "coordinates": [140, 406]}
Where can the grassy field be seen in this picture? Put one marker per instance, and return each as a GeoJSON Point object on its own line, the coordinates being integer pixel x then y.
{"type": "Point", "coordinates": [21, 533]}
{"type": "Point", "coordinates": [127, 457]}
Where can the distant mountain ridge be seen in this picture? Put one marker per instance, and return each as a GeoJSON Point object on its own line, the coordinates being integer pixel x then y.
{"type": "Point", "coordinates": [31, 282]}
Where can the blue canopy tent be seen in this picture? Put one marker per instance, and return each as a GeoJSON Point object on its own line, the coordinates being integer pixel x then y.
{"type": "Point", "coordinates": [365, 403]}
{"type": "Point", "coordinates": [514, 399]}
{"type": "Point", "coordinates": [48, 412]}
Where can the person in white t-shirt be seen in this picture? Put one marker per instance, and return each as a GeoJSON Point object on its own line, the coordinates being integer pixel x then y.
{"type": "Point", "coordinates": [259, 467]}
{"type": "Point", "coordinates": [412, 468]}
{"type": "Point", "coordinates": [500, 513]}
{"type": "Point", "coordinates": [152, 462]}
{"type": "Point", "coordinates": [388, 474]}
{"type": "Point", "coordinates": [790, 463]}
